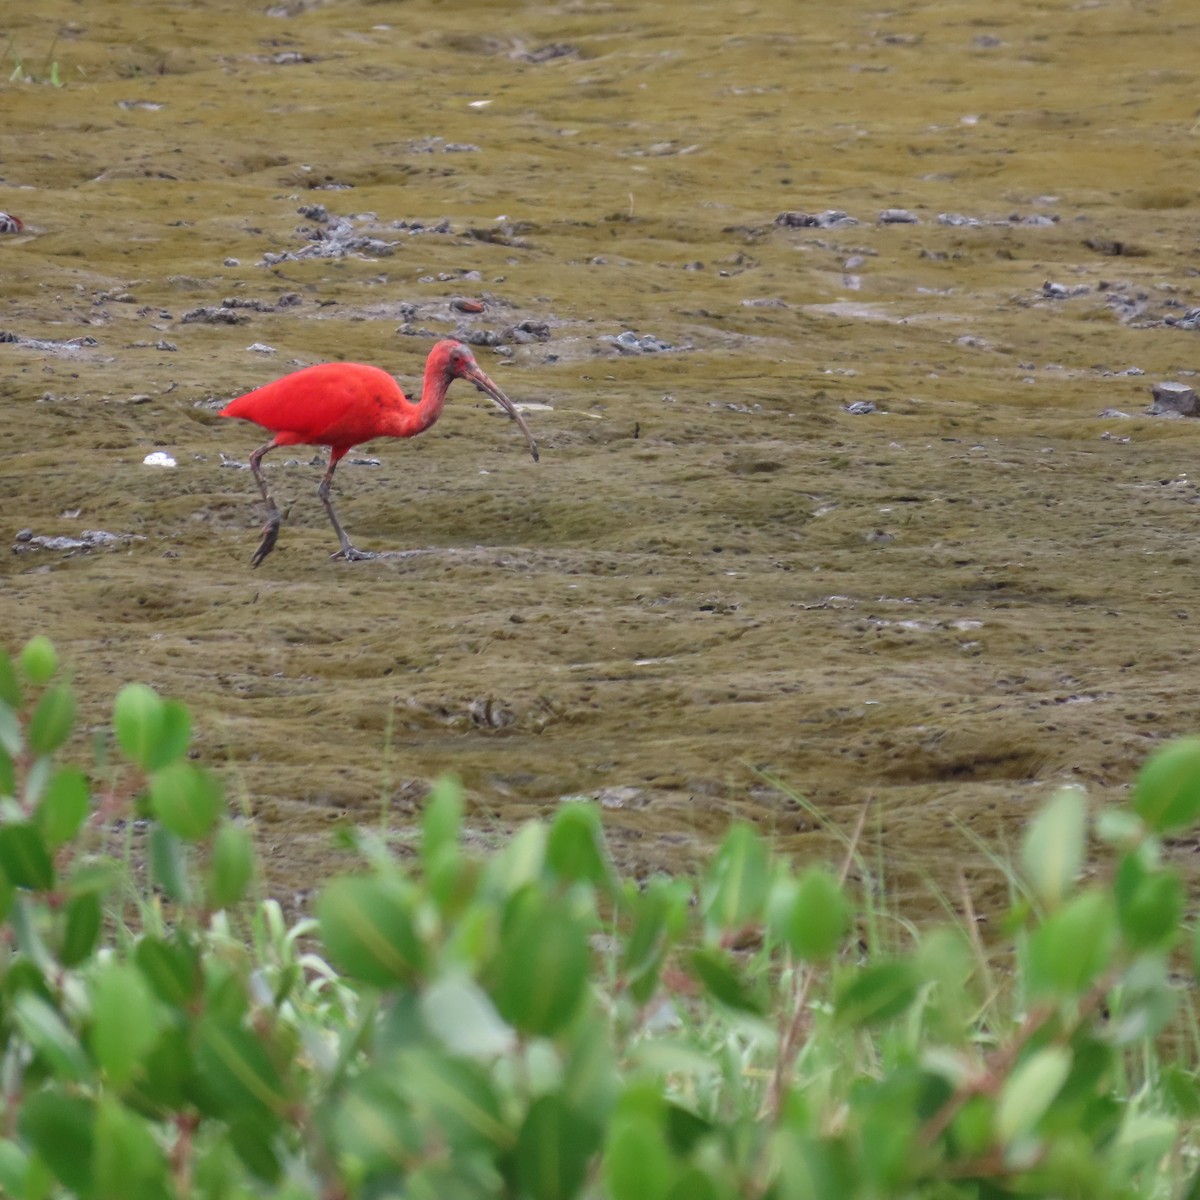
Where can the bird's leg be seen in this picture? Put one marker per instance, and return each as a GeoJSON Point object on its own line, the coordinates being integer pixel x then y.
{"type": "Point", "coordinates": [347, 551]}
{"type": "Point", "coordinates": [270, 533]}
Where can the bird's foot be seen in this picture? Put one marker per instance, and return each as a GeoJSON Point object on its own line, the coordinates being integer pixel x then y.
{"type": "Point", "coordinates": [349, 554]}
{"type": "Point", "coordinates": [270, 535]}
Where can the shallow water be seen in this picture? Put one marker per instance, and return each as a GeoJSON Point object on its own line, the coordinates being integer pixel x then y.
{"type": "Point", "coordinates": [719, 583]}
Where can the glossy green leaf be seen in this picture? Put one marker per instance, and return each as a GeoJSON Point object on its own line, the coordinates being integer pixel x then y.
{"type": "Point", "coordinates": [82, 921]}
{"type": "Point", "coordinates": [458, 1096]}
{"type": "Point", "coordinates": [1053, 846]}
{"type": "Point", "coordinates": [231, 866]}
{"type": "Point", "coordinates": [186, 800]}
{"type": "Point", "coordinates": [554, 1150]}
{"type": "Point", "coordinates": [39, 660]}
{"type": "Point", "coordinates": [63, 807]}
{"type": "Point", "coordinates": [540, 973]}
{"type": "Point", "coordinates": [61, 1129]}
{"type": "Point", "coordinates": [1166, 793]}
{"type": "Point", "coordinates": [10, 687]}
{"type": "Point", "coordinates": [368, 927]}
{"type": "Point", "coordinates": [877, 993]}
{"type": "Point", "coordinates": [138, 721]}
{"type": "Point", "coordinates": [125, 1021]}
{"type": "Point", "coordinates": [253, 1138]}
{"type": "Point", "coordinates": [24, 858]}
{"type": "Point", "coordinates": [1070, 949]}
{"type": "Point", "coordinates": [173, 736]}
{"type": "Point", "coordinates": [236, 1068]}
{"type": "Point", "coordinates": [736, 886]}
{"type": "Point", "coordinates": [45, 1030]}
{"type": "Point", "coordinates": [725, 983]}
{"type": "Point", "coordinates": [52, 719]}
{"type": "Point", "coordinates": [813, 924]}
{"type": "Point", "coordinates": [575, 847]}
{"type": "Point", "coordinates": [1030, 1090]}
{"type": "Point", "coordinates": [168, 864]}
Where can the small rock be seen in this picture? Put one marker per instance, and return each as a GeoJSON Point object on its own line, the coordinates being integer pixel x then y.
{"type": "Point", "coordinates": [1173, 399]}
{"type": "Point", "coordinates": [231, 262]}
{"type": "Point", "coordinates": [1112, 414]}
{"type": "Point", "coordinates": [861, 408]}
{"type": "Point", "coordinates": [159, 458]}
{"type": "Point", "coordinates": [898, 216]}
{"type": "Point", "coordinates": [957, 219]}
{"type": "Point", "coordinates": [260, 348]}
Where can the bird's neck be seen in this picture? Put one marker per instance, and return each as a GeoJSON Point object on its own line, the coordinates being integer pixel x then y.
{"type": "Point", "coordinates": [419, 416]}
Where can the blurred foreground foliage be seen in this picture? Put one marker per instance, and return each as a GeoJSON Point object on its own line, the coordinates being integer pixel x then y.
{"type": "Point", "coordinates": [530, 1024]}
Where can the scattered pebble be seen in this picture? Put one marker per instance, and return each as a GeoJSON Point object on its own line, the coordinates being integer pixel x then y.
{"type": "Point", "coordinates": [829, 219]}
{"type": "Point", "coordinates": [231, 262]}
{"type": "Point", "coordinates": [898, 216]}
{"type": "Point", "coordinates": [861, 408]}
{"type": "Point", "coordinates": [89, 539]}
{"type": "Point", "coordinates": [467, 306]}
{"type": "Point", "coordinates": [629, 343]}
{"type": "Point", "coordinates": [260, 348]}
{"type": "Point", "coordinates": [1060, 291]}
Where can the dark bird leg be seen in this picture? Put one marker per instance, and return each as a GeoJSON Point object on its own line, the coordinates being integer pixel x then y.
{"type": "Point", "coordinates": [270, 533]}
{"type": "Point", "coordinates": [347, 551]}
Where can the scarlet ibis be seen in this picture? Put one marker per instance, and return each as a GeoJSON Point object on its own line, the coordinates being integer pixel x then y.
{"type": "Point", "coordinates": [341, 405]}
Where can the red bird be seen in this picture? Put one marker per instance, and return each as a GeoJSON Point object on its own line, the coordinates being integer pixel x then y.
{"type": "Point", "coordinates": [340, 405]}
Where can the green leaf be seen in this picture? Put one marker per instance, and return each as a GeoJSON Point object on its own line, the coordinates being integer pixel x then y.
{"type": "Point", "coordinates": [96, 878]}
{"type": "Point", "coordinates": [125, 1021]}
{"type": "Point", "coordinates": [1142, 1143]}
{"type": "Point", "coordinates": [375, 1127]}
{"type": "Point", "coordinates": [1071, 948]}
{"type": "Point", "coordinates": [575, 845]}
{"type": "Point", "coordinates": [442, 819]}
{"type": "Point", "coordinates": [186, 800]}
{"type": "Point", "coordinates": [554, 1149]}
{"type": "Point", "coordinates": [168, 864]}
{"type": "Point", "coordinates": [63, 807]}
{"type": "Point", "coordinates": [46, 1031]}
{"type": "Point", "coordinates": [24, 857]}
{"type": "Point", "coordinates": [658, 915]}
{"type": "Point", "coordinates": [171, 968]}
{"type": "Point", "coordinates": [14, 1168]}
{"type": "Point", "coordinates": [719, 974]}
{"type": "Point", "coordinates": [138, 721]}
{"type": "Point", "coordinates": [460, 1014]}
{"type": "Point", "coordinates": [877, 993]}
{"type": "Point", "coordinates": [61, 1129]}
{"type": "Point", "coordinates": [236, 1068]}
{"type": "Point", "coordinates": [52, 719]}
{"type": "Point", "coordinates": [1053, 846]}
{"type": "Point", "coordinates": [817, 917]}
{"type": "Point", "coordinates": [10, 687]}
{"type": "Point", "coordinates": [11, 740]}
{"type": "Point", "coordinates": [231, 867]}
{"type": "Point", "coordinates": [1149, 905]}
{"type": "Point", "coordinates": [128, 1161]}
{"type": "Point", "coordinates": [1166, 793]}
{"type": "Point", "coordinates": [39, 660]}
{"type": "Point", "coordinates": [174, 735]}
{"type": "Point", "coordinates": [736, 886]}
{"type": "Point", "coordinates": [637, 1163]}
{"type": "Point", "coordinates": [458, 1095]}
{"type": "Point", "coordinates": [1029, 1091]}
{"type": "Point", "coordinates": [367, 924]}
{"type": "Point", "coordinates": [540, 973]}
{"type": "Point", "coordinates": [81, 929]}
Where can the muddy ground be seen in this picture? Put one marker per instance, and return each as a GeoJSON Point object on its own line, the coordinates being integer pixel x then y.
{"type": "Point", "coordinates": [720, 583]}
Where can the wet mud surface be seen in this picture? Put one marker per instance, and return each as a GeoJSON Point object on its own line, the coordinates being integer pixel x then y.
{"type": "Point", "coordinates": [822, 506]}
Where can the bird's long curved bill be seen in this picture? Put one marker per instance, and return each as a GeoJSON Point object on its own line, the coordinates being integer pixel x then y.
{"type": "Point", "coordinates": [481, 381]}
